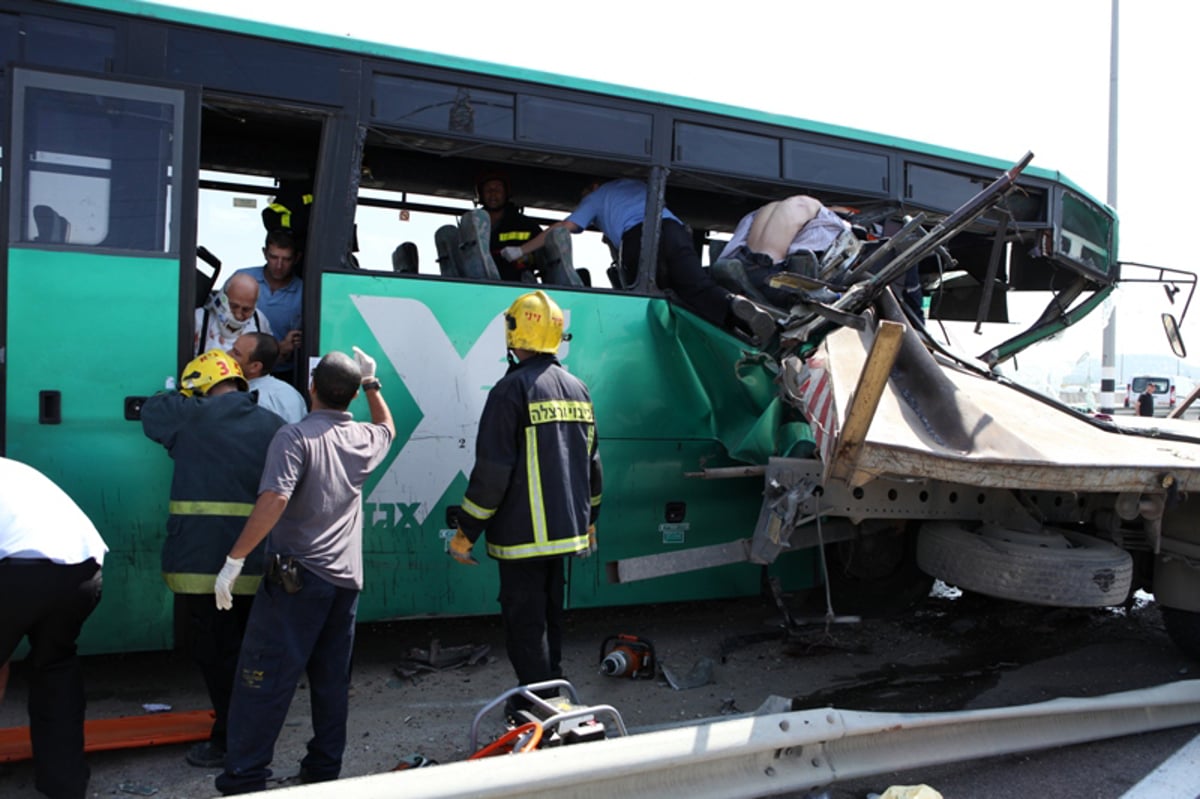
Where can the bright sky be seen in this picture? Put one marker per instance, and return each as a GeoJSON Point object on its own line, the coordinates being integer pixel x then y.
{"type": "Point", "coordinates": [1024, 75]}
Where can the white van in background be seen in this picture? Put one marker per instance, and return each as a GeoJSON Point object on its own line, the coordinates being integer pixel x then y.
{"type": "Point", "coordinates": [1164, 391]}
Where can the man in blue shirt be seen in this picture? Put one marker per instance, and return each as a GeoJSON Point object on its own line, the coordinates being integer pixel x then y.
{"type": "Point", "coordinates": [618, 208]}
{"type": "Point", "coordinates": [280, 295]}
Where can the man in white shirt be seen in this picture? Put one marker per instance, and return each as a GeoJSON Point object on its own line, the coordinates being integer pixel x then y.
{"type": "Point", "coordinates": [257, 353]}
{"type": "Point", "coordinates": [50, 579]}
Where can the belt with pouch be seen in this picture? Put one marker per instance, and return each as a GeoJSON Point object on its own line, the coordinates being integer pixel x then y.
{"type": "Point", "coordinates": [286, 571]}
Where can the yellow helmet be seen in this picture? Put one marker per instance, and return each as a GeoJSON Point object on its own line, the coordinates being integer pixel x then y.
{"type": "Point", "coordinates": [534, 322]}
{"type": "Point", "coordinates": [208, 369]}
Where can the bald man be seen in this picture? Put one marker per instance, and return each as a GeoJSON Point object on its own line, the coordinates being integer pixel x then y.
{"type": "Point", "coordinates": [229, 313]}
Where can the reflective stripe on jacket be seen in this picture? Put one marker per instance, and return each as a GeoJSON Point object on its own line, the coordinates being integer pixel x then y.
{"type": "Point", "coordinates": [536, 483]}
{"type": "Point", "coordinates": [219, 445]}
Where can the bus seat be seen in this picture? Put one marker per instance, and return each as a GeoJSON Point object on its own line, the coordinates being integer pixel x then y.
{"type": "Point", "coordinates": [715, 248]}
{"type": "Point", "coordinates": [406, 258]}
{"type": "Point", "coordinates": [474, 233]}
{"type": "Point", "coordinates": [52, 227]}
{"type": "Point", "coordinates": [616, 273]}
{"type": "Point", "coordinates": [446, 239]}
{"type": "Point", "coordinates": [556, 264]}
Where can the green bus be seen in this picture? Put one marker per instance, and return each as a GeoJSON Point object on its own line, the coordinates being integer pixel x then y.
{"type": "Point", "coordinates": [138, 135]}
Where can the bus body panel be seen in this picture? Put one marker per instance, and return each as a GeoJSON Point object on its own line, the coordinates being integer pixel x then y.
{"type": "Point", "coordinates": [667, 403]}
{"type": "Point", "coordinates": [92, 327]}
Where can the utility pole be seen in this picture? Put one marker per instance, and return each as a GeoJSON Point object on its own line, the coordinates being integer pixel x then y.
{"type": "Point", "coordinates": [1108, 372]}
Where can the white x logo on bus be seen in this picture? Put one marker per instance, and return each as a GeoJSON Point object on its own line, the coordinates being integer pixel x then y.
{"type": "Point", "coordinates": [449, 390]}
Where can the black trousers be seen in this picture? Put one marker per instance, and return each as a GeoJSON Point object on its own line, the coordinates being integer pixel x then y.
{"type": "Point", "coordinates": [49, 602]}
{"type": "Point", "coordinates": [685, 275]}
{"type": "Point", "coordinates": [215, 641]}
{"type": "Point", "coordinates": [531, 605]}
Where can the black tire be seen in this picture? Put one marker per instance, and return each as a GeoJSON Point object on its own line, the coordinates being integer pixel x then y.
{"type": "Point", "coordinates": [876, 574]}
{"type": "Point", "coordinates": [1058, 568]}
{"type": "Point", "coordinates": [1183, 626]}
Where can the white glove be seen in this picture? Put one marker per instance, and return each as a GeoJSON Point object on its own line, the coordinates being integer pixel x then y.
{"type": "Point", "coordinates": [224, 586]}
{"type": "Point", "coordinates": [366, 364]}
{"type": "Point", "coordinates": [511, 254]}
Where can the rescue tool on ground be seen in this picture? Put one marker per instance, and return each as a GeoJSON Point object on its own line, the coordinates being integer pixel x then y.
{"type": "Point", "coordinates": [627, 656]}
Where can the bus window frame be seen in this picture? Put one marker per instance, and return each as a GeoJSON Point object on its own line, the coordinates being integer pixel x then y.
{"type": "Point", "coordinates": [184, 170]}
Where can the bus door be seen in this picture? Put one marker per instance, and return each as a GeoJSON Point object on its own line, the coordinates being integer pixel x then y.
{"type": "Point", "coordinates": [100, 185]}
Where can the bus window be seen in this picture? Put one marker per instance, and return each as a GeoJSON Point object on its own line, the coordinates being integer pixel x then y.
{"type": "Point", "coordinates": [386, 219]}
{"type": "Point", "coordinates": [97, 168]}
{"type": "Point", "coordinates": [229, 220]}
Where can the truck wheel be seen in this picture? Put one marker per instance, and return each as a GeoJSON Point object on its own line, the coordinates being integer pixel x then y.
{"type": "Point", "coordinates": [1058, 568]}
{"type": "Point", "coordinates": [1183, 626]}
{"type": "Point", "coordinates": [875, 573]}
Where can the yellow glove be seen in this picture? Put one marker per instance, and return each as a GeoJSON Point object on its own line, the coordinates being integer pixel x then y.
{"type": "Point", "coordinates": [460, 549]}
{"type": "Point", "coordinates": [591, 547]}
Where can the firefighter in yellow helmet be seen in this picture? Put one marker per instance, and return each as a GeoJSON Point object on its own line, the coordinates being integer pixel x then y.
{"type": "Point", "coordinates": [534, 490]}
{"type": "Point", "coordinates": [217, 436]}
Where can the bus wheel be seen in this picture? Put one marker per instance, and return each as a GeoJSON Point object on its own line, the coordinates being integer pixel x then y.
{"type": "Point", "coordinates": [1183, 626]}
{"type": "Point", "coordinates": [875, 573]}
{"type": "Point", "coordinates": [1057, 568]}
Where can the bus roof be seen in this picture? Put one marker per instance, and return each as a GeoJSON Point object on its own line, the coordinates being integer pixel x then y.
{"type": "Point", "coordinates": [327, 41]}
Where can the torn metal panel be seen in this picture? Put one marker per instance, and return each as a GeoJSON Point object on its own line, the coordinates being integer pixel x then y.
{"type": "Point", "coordinates": [939, 420]}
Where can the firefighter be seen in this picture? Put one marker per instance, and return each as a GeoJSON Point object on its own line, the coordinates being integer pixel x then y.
{"type": "Point", "coordinates": [510, 227]}
{"type": "Point", "coordinates": [535, 485]}
{"type": "Point", "coordinates": [218, 437]}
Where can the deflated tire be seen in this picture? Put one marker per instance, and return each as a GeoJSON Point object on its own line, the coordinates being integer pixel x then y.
{"type": "Point", "coordinates": [1059, 568]}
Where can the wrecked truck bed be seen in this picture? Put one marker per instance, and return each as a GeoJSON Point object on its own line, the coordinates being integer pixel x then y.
{"type": "Point", "coordinates": [940, 419]}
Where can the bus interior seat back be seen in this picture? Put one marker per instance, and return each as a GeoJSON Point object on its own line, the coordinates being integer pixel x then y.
{"type": "Point", "coordinates": [715, 248]}
{"type": "Point", "coordinates": [52, 227]}
{"type": "Point", "coordinates": [557, 267]}
{"type": "Point", "coordinates": [447, 241]}
{"type": "Point", "coordinates": [406, 258]}
{"type": "Point", "coordinates": [474, 233]}
{"type": "Point", "coordinates": [616, 273]}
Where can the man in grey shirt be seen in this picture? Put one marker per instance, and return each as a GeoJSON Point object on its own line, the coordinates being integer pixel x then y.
{"type": "Point", "coordinates": [302, 620]}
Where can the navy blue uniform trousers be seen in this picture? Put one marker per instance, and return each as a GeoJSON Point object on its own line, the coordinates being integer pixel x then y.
{"type": "Point", "coordinates": [531, 604]}
{"type": "Point", "coordinates": [310, 631]}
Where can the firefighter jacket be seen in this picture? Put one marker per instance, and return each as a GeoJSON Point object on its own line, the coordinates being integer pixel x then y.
{"type": "Point", "coordinates": [219, 445]}
{"type": "Point", "coordinates": [536, 482]}
{"type": "Point", "coordinates": [512, 230]}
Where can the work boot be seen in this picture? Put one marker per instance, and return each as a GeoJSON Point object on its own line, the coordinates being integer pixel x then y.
{"type": "Point", "coordinates": [753, 319]}
{"type": "Point", "coordinates": [206, 754]}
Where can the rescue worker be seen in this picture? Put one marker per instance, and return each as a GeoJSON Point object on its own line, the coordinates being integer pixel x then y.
{"type": "Point", "coordinates": [218, 437]}
{"type": "Point", "coordinates": [535, 485]}
{"type": "Point", "coordinates": [310, 505]}
{"type": "Point", "coordinates": [280, 295]}
{"type": "Point", "coordinates": [51, 559]}
{"type": "Point", "coordinates": [618, 208]}
{"type": "Point", "coordinates": [510, 227]}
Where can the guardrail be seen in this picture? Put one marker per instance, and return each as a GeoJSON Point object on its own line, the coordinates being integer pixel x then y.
{"type": "Point", "coordinates": [781, 752]}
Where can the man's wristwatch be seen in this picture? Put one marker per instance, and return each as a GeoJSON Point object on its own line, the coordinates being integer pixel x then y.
{"type": "Point", "coordinates": [371, 384]}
